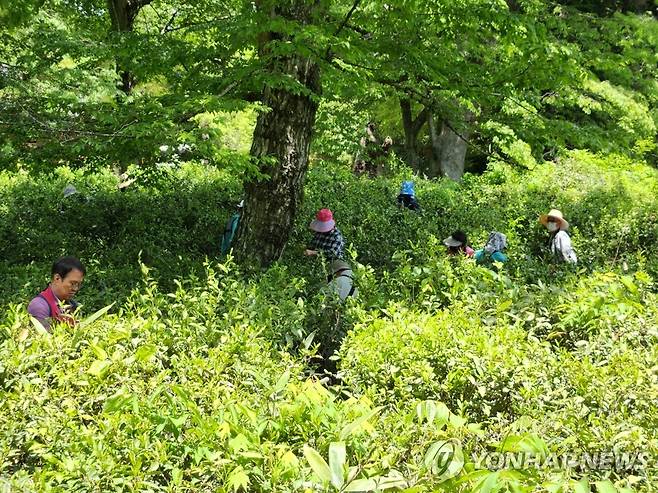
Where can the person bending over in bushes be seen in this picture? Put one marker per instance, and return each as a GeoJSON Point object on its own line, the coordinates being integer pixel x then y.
{"type": "Point", "coordinates": [457, 243]}
{"type": "Point", "coordinates": [327, 238]}
{"type": "Point", "coordinates": [493, 250]}
{"type": "Point", "coordinates": [340, 280]}
{"type": "Point", "coordinates": [56, 301]}
{"type": "Point", "coordinates": [559, 242]}
{"type": "Point", "coordinates": [69, 191]}
{"type": "Point", "coordinates": [407, 196]}
{"type": "Point", "coordinates": [230, 229]}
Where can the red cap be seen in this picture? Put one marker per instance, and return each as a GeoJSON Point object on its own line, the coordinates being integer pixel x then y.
{"type": "Point", "coordinates": [324, 221]}
{"type": "Point", "coordinates": [324, 215]}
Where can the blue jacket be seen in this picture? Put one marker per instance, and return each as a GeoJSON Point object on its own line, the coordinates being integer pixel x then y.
{"type": "Point", "coordinates": [481, 257]}
{"type": "Point", "coordinates": [229, 233]}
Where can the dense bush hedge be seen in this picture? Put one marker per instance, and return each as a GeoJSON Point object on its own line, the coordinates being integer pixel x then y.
{"type": "Point", "coordinates": [186, 391]}
{"type": "Point", "coordinates": [202, 378]}
{"type": "Point", "coordinates": [609, 202]}
{"type": "Point", "coordinates": [494, 365]}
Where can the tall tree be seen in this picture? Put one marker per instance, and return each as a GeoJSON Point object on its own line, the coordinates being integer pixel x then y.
{"type": "Point", "coordinates": [282, 137]}
{"type": "Point", "coordinates": [60, 100]}
{"type": "Point", "coordinates": [412, 127]}
{"type": "Point", "coordinates": [123, 14]}
{"type": "Point", "coordinates": [457, 55]}
{"type": "Point", "coordinates": [449, 146]}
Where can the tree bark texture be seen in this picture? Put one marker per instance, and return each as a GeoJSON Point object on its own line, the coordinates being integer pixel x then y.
{"type": "Point", "coordinates": [280, 146]}
{"type": "Point", "coordinates": [453, 152]}
{"type": "Point", "coordinates": [449, 147]}
{"type": "Point", "coordinates": [434, 167]}
{"type": "Point", "coordinates": [122, 15]}
{"type": "Point", "coordinates": [412, 127]}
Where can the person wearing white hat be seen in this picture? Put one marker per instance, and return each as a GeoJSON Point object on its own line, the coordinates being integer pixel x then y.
{"type": "Point", "coordinates": [230, 229]}
{"type": "Point", "coordinates": [560, 242]}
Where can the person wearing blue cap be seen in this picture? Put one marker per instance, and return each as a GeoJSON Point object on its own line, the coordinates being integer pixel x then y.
{"type": "Point", "coordinates": [407, 196]}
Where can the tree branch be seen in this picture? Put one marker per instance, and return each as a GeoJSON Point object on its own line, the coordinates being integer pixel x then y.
{"type": "Point", "coordinates": [328, 55]}
{"type": "Point", "coordinates": [194, 24]}
{"type": "Point", "coordinates": [51, 128]}
{"type": "Point", "coordinates": [420, 120]}
{"type": "Point", "coordinates": [167, 26]}
{"type": "Point", "coordinates": [347, 17]}
{"type": "Point", "coordinates": [359, 30]}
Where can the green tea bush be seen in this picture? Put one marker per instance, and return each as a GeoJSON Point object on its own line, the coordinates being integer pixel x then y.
{"type": "Point", "coordinates": [583, 361]}
{"type": "Point", "coordinates": [609, 201]}
{"type": "Point", "coordinates": [177, 216]}
{"type": "Point", "coordinates": [171, 227]}
{"type": "Point", "coordinates": [173, 392]}
{"type": "Point", "coordinates": [204, 379]}
{"type": "Point", "coordinates": [451, 356]}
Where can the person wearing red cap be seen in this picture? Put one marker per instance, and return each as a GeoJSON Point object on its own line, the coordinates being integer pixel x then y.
{"type": "Point", "coordinates": [327, 238]}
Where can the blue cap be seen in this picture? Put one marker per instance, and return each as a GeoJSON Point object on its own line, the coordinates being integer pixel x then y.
{"type": "Point", "coordinates": [407, 188]}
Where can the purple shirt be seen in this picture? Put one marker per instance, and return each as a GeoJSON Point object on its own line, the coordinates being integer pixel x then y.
{"type": "Point", "coordinates": [40, 310]}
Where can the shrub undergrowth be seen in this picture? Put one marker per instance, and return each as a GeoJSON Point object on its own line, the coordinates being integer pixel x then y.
{"type": "Point", "coordinates": [202, 378]}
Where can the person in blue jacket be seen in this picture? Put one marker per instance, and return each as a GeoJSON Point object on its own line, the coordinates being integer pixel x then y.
{"type": "Point", "coordinates": [230, 229]}
{"type": "Point", "coordinates": [493, 250]}
{"type": "Point", "coordinates": [407, 196]}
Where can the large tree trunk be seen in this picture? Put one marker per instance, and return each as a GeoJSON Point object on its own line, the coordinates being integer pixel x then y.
{"type": "Point", "coordinates": [411, 127]}
{"type": "Point", "coordinates": [280, 145]}
{"type": "Point", "coordinates": [453, 152]}
{"type": "Point", "coordinates": [434, 167]}
{"type": "Point", "coordinates": [123, 14]}
{"type": "Point", "coordinates": [449, 148]}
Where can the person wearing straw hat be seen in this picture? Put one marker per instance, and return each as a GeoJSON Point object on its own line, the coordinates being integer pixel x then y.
{"type": "Point", "coordinates": [560, 242]}
{"type": "Point", "coordinates": [457, 243]}
{"type": "Point", "coordinates": [407, 196]}
{"type": "Point", "coordinates": [493, 250]}
{"type": "Point", "coordinates": [327, 238]}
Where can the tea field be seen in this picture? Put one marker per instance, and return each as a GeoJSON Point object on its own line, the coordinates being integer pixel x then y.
{"type": "Point", "coordinates": [204, 375]}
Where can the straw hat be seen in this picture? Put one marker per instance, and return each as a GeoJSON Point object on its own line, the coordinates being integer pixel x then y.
{"type": "Point", "coordinates": [554, 214]}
